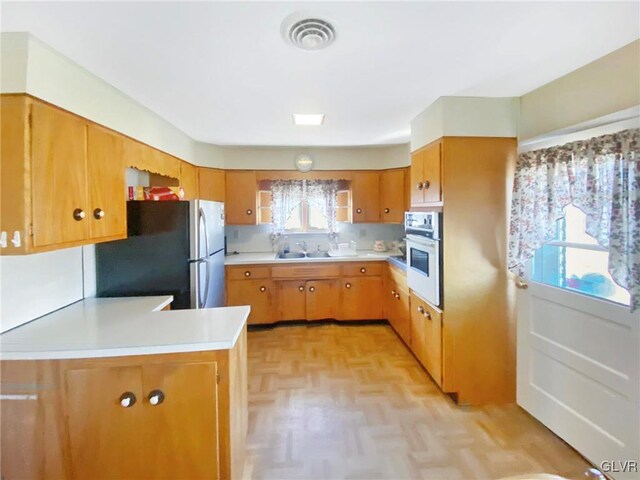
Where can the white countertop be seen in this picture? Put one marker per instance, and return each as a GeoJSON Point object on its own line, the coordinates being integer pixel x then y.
{"type": "Point", "coordinates": [111, 327]}
{"type": "Point", "coordinates": [270, 257]}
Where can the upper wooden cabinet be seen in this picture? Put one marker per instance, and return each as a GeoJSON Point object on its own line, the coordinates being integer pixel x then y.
{"type": "Point", "coordinates": [241, 197]}
{"type": "Point", "coordinates": [211, 184]}
{"type": "Point", "coordinates": [62, 178]}
{"type": "Point", "coordinates": [392, 196]}
{"type": "Point", "coordinates": [426, 164]}
{"type": "Point", "coordinates": [189, 180]}
{"type": "Point", "coordinates": [365, 197]}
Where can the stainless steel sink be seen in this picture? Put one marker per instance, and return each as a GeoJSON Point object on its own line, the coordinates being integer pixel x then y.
{"type": "Point", "coordinates": [291, 255]}
{"type": "Point", "coordinates": [317, 254]}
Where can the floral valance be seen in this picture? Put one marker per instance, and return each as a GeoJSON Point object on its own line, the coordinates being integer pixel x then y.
{"type": "Point", "coordinates": [600, 176]}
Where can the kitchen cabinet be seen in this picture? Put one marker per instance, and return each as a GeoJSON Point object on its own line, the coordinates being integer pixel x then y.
{"type": "Point", "coordinates": [189, 181]}
{"type": "Point", "coordinates": [211, 184]}
{"type": "Point", "coordinates": [396, 303]}
{"type": "Point", "coordinates": [426, 336]}
{"type": "Point", "coordinates": [292, 300]}
{"type": "Point", "coordinates": [392, 196]}
{"type": "Point", "coordinates": [426, 182]}
{"type": "Point", "coordinates": [241, 197]}
{"type": "Point", "coordinates": [360, 298]}
{"type": "Point", "coordinates": [321, 295]}
{"type": "Point", "coordinates": [158, 416]}
{"type": "Point", "coordinates": [306, 300]}
{"type": "Point", "coordinates": [63, 178]}
{"type": "Point", "coordinates": [107, 211]}
{"type": "Point", "coordinates": [365, 197]}
{"type": "Point", "coordinates": [259, 294]}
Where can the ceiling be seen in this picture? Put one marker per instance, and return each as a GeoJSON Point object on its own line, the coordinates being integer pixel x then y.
{"type": "Point", "coordinates": [222, 73]}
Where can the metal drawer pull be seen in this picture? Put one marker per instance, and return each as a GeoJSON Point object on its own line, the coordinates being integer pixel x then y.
{"type": "Point", "coordinates": [312, 289]}
{"type": "Point", "coordinates": [263, 289]}
{"type": "Point", "coordinates": [347, 285]}
{"type": "Point", "coordinates": [156, 397]}
{"type": "Point", "coordinates": [127, 399]}
{"type": "Point", "coordinates": [363, 270]}
{"type": "Point", "coordinates": [358, 210]}
{"type": "Point", "coordinates": [249, 211]}
{"type": "Point", "coordinates": [247, 273]}
{"type": "Point", "coordinates": [386, 210]}
{"type": "Point", "coordinates": [98, 213]}
{"type": "Point", "coordinates": [78, 214]}
{"type": "Point", "coordinates": [301, 288]}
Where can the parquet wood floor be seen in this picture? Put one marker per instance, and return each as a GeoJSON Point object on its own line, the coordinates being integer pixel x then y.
{"type": "Point", "coordinates": [351, 402]}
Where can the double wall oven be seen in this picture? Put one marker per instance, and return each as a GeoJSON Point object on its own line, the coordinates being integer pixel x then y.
{"type": "Point", "coordinates": [424, 255]}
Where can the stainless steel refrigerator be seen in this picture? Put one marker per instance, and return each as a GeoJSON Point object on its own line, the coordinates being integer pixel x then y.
{"type": "Point", "coordinates": [172, 248]}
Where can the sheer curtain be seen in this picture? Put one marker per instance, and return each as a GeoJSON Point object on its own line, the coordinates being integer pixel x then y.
{"type": "Point", "coordinates": [600, 176]}
{"type": "Point", "coordinates": [287, 194]}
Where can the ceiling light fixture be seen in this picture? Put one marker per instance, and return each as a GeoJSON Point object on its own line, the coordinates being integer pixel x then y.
{"type": "Point", "coordinates": [308, 118]}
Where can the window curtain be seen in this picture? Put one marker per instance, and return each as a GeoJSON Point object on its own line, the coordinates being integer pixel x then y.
{"type": "Point", "coordinates": [601, 177]}
{"type": "Point", "coordinates": [287, 194]}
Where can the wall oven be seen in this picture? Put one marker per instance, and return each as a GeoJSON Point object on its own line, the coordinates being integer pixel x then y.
{"type": "Point", "coordinates": [424, 255]}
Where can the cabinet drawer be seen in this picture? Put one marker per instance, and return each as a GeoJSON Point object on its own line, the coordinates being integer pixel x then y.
{"type": "Point", "coordinates": [247, 273]}
{"type": "Point", "coordinates": [360, 269]}
{"type": "Point", "coordinates": [308, 272]}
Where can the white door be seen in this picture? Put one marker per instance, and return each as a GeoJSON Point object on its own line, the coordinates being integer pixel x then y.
{"type": "Point", "coordinates": [578, 368]}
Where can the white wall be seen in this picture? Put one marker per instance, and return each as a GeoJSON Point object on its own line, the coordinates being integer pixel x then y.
{"type": "Point", "coordinates": [34, 285]}
{"type": "Point", "coordinates": [608, 85]}
{"type": "Point", "coordinates": [255, 238]}
{"type": "Point", "coordinates": [465, 117]}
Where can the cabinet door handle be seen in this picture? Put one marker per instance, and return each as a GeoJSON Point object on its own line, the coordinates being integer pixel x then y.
{"type": "Point", "coordinates": [427, 184]}
{"type": "Point", "coordinates": [312, 289]}
{"type": "Point", "coordinates": [127, 399]}
{"type": "Point", "coordinates": [249, 211]}
{"type": "Point", "coordinates": [347, 285]}
{"type": "Point", "coordinates": [358, 210]}
{"type": "Point", "coordinates": [393, 292]}
{"type": "Point", "coordinates": [78, 214]}
{"type": "Point", "coordinates": [247, 273]}
{"type": "Point", "coordinates": [421, 309]}
{"type": "Point", "coordinates": [420, 185]}
{"type": "Point", "coordinates": [363, 270]}
{"type": "Point", "coordinates": [98, 213]}
{"type": "Point", "coordinates": [156, 397]}
{"type": "Point", "coordinates": [427, 315]}
{"type": "Point", "coordinates": [301, 288]}
{"type": "Point", "coordinates": [263, 289]}
{"type": "Point", "coordinates": [397, 296]}
{"type": "Point", "coordinates": [386, 210]}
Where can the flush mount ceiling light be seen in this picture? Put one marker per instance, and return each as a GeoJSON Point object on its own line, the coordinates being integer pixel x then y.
{"type": "Point", "coordinates": [303, 162]}
{"type": "Point", "coordinates": [307, 31]}
{"type": "Point", "coordinates": [308, 118]}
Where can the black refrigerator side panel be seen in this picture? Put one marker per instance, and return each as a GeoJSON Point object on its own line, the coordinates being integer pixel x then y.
{"type": "Point", "coordinates": [153, 260]}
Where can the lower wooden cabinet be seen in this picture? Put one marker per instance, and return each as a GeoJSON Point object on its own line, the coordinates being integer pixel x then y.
{"type": "Point", "coordinates": [259, 294]}
{"type": "Point", "coordinates": [165, 416]}
{"type": "Point", "coordinates": [307, 300]}
{"type": "Point", "coordinates": [361, 298]}
{"type": "Point", "coordinates": [426, 336]}
{"type": "Point", "coordinates": [396, 307]}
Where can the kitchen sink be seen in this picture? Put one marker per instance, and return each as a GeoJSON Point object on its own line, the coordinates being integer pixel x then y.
{"type": "Point", "coordinates": [291, 255]}
{"type": "Point", "coordinates": [317, 254]}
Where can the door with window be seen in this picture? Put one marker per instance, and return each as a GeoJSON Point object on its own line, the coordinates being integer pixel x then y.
{"type": "Point", "coordinates": [578, 362]}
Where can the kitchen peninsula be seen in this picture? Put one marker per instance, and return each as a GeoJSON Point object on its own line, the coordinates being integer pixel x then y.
{"type": "Point", "coordinates": [94, 380]}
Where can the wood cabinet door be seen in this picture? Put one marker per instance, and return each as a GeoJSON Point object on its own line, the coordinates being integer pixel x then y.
{"type": "Point", "coordinates": [365, 197]}
{"type": "Point", "coordinates": [431, 173]}
{"type": "Point", "coordinates": [241, 197]}
{"type": "Point", "coordinates": [105, 438]}
{"type": "Point", "coordinates": [360, 298]}
{"type": "Point", "coordinates": [292, 301]}
{"type": "Point", "coordinates": [178, 443]}
{"type": "Point", "coordinates": [417, 178]}
{"type": "Point", "coordinates": [321, 299]}
{"type": "Point", "coordinates": [418, 329]}
{"type": "Point", "coordinates": [392, 196]}
{"type": "Point", "coordinates": [433, 343]}
{"type": "Point", "coordinates": [211, 184]}
{"type": "Point", "coordinates": [403, 315]}
{"type": "Point", "coordinates": [105, 177]}
{"type": "Point", "coordinates": [189, 180]}
{"type": "Point", "coordinates": [60, 207]}
{"type": "Point", "coordinates": [256, 293]}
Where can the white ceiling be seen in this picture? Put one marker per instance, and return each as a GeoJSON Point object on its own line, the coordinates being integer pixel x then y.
{"type": "Point", "coordinates": [222, 73]}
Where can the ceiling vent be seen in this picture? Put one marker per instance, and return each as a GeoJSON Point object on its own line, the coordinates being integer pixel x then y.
{"type": "Point", "coordinates": [308, 32]}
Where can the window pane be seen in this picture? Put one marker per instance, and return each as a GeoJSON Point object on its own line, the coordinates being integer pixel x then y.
{"type": "Point", "coordinates": [317, 218]}
{"type": "Point", "coordinates": [294, 222]}
{"type": "Point", "coordinates": [577, 269]}
{"type": "Point", "coordinates": [571, 228]}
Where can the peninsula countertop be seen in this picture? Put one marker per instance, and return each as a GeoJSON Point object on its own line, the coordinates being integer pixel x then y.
{"type": "Point", "coordinates": [110, 327]}
{"type": "Point", "coordinates": [270, 258]}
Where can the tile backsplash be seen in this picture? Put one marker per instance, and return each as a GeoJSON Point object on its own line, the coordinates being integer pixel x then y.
{"type": "Point", "coordinates": [256, 238]}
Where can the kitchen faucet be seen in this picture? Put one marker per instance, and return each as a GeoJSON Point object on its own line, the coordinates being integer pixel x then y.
{"type": "Point", "coordinates": [303, 246]}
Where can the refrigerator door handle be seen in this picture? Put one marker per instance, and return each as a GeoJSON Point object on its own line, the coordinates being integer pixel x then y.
{"type": "Point", "coordinates": [203, 219]}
